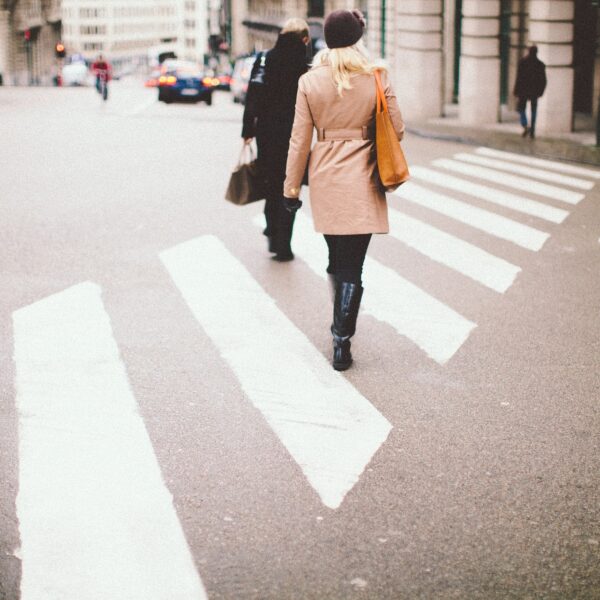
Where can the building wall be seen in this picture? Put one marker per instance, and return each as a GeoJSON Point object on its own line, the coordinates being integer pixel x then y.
{"type": "Point", "coordinates": [123, 30]}
{"type": "Point", "coordinates": [495, 35]}
{"type": "Point", "coordinates": [29, 62]}
{"type": "Point", "coordinates": [195, 30]}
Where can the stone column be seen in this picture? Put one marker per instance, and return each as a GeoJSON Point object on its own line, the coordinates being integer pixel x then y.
{"type": "Point", "coordinates": [551, 30]}
{"type": "Point", "coordinates": [479, 85]}
{"type": "Point", "coordinates": [4, 42]}
{"type": "Point", "coordinates": [418, 79]}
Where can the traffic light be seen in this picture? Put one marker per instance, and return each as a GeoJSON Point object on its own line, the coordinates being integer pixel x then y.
{"type": "Point", "coordinates": [27, 35]}
{"type": "Point", "coordinates": [60, 50]}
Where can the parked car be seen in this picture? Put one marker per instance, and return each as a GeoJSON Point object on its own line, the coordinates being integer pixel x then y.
{"type": "Point", "coordinates": [224, 82]}
{"type": "Point", "coordinates": [184, 80]}
{"type": "Point", "coordinates": [75, 73]}
{"type": "Point", "coordinates": [240, 77]}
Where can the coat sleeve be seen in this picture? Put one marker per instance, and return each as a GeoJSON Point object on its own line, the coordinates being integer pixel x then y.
{"type": "Point", "coordinates": [253, 99]}
{"type": "Point", "coordinates": [300, 143]}
{"type": "Point", "coordinates": [393, 108]}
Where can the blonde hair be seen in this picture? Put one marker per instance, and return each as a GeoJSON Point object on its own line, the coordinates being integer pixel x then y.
{"type": "Point", "coordinates": [297, 26]}
{"type": "Point", "coordinates": [346, 63]}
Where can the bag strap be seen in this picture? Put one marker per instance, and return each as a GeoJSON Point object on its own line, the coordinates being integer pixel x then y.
{"type": "Point", "coordinates": [381, 100]}
{"type": "Point", "coordinates": [247, 149]}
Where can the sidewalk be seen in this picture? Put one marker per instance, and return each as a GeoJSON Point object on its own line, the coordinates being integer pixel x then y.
{"type": "Point", "coordinates": [578, 146]}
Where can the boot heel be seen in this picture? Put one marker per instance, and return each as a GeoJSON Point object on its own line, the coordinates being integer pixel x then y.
{"type": "Point", "coordinates": [342, 357]}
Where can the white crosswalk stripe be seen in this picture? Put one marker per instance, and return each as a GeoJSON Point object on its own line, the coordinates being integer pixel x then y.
{"type": "Point", "coordinates": [520, 183]}
{"type": "Point", "coordinates": [91, 496]}
{"type": "Point", "coordinates": [491, 223]}
{"type": "Point", "coordinates": [544, 174]}
{"type": "Point", "coordinates": [490, 194]}
{"type": "Point", "coordinates": [95, 518]}
{"type": "Point", "coordinates": [540, 162]}
{"type": "Point", "coordinates": [434, 327]}
{"type": "Point", "coordinates": [327, 426]}
{"type": "Point", "coordinates": [481, 266]}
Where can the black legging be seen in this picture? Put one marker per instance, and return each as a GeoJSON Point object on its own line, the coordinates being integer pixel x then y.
{"type": "Point", "coordinates": [347, 256]}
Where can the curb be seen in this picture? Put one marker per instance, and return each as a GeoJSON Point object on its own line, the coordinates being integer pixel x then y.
{"type": "Point", "coordinates": [553, 149]}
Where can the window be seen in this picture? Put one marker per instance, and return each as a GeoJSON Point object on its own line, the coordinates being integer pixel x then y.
{"type": "Point", "coordinates": [316, 8]}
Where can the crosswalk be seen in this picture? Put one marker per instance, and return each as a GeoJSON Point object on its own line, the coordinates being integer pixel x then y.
{"type": "Point", "coordinates": [107, 517]}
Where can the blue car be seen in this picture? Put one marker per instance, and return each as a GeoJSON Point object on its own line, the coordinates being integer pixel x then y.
{"type": "Point", "coordinates": [184, 81]}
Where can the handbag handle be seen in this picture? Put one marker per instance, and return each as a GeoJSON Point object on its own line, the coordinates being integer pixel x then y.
{"type": "Point", "coordinates": [245, 149]}
{"type": "Point", "coordinates": [381, 101]}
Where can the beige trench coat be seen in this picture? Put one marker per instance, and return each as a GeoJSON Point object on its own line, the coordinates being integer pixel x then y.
{"type": "Point", "coordinates": [346, 193]}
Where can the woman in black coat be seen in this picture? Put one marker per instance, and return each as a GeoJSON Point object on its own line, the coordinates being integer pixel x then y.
{"type": "Point", "coordinates": [269, 116]}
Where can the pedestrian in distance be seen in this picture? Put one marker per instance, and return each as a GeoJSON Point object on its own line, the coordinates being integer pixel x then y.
{"type": "Point", "coordinates": [102, 70]}
{"type": "Point", "coordinates": [529, 86]}
{"type": "Point", "coordinates": [268, 117]}
{"type": "Point", "coordinates": [338, 98]}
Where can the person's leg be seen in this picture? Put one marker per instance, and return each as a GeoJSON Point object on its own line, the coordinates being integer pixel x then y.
{"type": "Point", "coordinates": [282, 235]}
{"type": "Point", "coordinates": [534, 102]}
{"type": "Point", "coordinates": [270, 208]}
{"type": "Point", "coordinates": [521, 108]}
{"type": "Point", "coordinates": [350, 256]}
{"type": "Point", "coordinates": [331, 241]}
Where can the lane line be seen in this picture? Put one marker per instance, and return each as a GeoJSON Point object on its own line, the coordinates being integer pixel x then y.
{"type": "Point", "coordinates": [435, 328]}
{"type": "Point", "coordinates": [490, 194]}
{"type": "Point", "coordinates": [522, 235]}
{"type": "Point", "coordinates": [143, 106]}
{"type": "Point", "coordinates": [544, 174]}
{"type": "Point", "coordinates": [468, 259]}
{"type": "Point", "coordinates": [540, 162]}
{"type": "Point", "coordinates": [520, 183]}
{"type": "Point", "coordinates": [327, 426]}
{"type": "Point", "coordinates": [95, 517]}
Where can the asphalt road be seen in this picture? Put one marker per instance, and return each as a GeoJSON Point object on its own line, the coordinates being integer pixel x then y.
{"type": "Point", "coordinates": [143, 325]}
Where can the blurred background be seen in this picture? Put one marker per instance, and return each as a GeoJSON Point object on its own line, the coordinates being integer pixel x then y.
{"type": "Point", "coordinates": [460, 56]}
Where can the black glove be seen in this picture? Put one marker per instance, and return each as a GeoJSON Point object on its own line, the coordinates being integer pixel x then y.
{"type": "Point", "coordinates": [292, 204]}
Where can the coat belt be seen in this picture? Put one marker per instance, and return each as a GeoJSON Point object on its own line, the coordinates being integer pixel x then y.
{"type": "Point", "coordinates": [327, 135]}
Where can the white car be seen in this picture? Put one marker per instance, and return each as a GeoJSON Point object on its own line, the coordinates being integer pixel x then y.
{"type": "Point", "coordinates": [76, 74]}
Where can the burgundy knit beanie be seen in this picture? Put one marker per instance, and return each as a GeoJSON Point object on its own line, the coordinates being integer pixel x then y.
{"type": "Point", "coordinates": [343, 28]}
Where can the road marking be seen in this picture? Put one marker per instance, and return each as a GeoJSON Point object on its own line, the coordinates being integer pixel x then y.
{"type": "Point", "coordinates": [143, 106]}
{"type": "Point", "coordinates": [327, 426]}
{"type": "Point", "coordinates": [520, 183]}
{"type": "Point", "coordinates": [489, 194]}
{"type": "Point", "coordinates": [434, 327]}
{"type": "Point", "coordinates": [95, 517]}
{"type": "Point", "coordinates": [481, 266]}
{"type": "Point", "coordinates": [540, 162]}
{"type": "Point", "coordinates": [496, 225]}
{"type": "Point", "coordinates": [503, 165]}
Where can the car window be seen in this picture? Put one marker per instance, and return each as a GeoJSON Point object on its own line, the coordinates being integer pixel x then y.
{"type": "Point", "coordinates": [188, 71]}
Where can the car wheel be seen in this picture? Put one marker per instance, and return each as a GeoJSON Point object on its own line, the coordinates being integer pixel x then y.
{"type": "Point", "coordinates": [208, 99]}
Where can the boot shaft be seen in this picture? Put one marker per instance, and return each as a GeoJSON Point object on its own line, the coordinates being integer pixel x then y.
{"type": "Point", "coordinates": [345, 309]}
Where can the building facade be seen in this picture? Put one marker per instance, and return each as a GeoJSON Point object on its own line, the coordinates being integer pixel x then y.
{"type": "Point", "coordinates": [29, 32]}
{"type": "Point", "coordinates": [466, 52]}
{"type": "Point", "coordinates": [122, 30]}
{"type": "Point", "coordinates": [461, 52]}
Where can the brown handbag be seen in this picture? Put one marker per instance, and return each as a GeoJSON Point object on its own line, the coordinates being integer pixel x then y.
{"type": "Point", "coordinates": [393, 170]}
{"type": "Point", "coordinates": [245, 182]}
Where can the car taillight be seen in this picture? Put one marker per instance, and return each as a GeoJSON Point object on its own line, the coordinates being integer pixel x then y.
{"type": "Point", "coordinates": [208, 81]}
{"type": "Point", "coordinates": [167, 80]}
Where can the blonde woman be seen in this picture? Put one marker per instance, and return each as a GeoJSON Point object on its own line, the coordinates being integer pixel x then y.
{"type": "Point", "coordinates": [337, 97]}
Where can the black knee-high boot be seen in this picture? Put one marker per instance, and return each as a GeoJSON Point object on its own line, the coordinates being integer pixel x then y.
{"type": "Point", "coordinates": [345, 313]}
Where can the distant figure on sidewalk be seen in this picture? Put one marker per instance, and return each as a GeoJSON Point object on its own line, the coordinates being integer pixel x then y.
{"type": "Point", "coordinates": [530, 85]}
{"type": "Point", "coordinates": [269, 116]}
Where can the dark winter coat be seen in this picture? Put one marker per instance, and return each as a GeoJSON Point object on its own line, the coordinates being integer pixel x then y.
{"type": "Point", "coordinates": [531, 78]}
{"type": "Point", "coordinates": [270, 105]}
